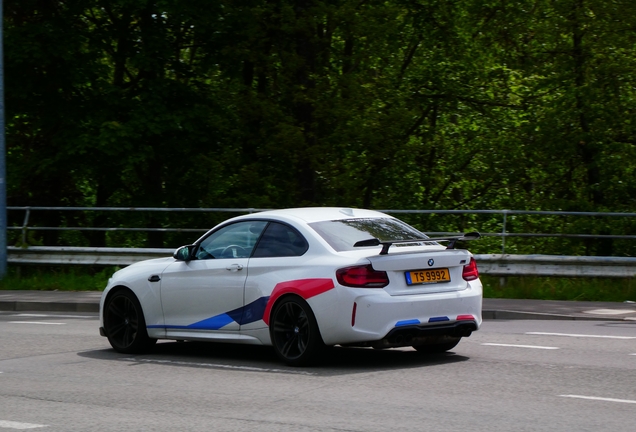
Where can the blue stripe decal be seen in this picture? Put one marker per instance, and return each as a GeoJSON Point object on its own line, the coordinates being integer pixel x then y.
{"type": "Point", "coordinates": [251, 312]}
{"type": "Point", "coordinates": [214, 323]}
{"type": "Point", "coordinates": [244, 315]}
{"type": "Point", "coordinates": [407, 322]}
{"type": "Point", "coordinates": [438, 319]}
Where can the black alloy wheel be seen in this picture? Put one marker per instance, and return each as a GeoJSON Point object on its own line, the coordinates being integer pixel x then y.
{"type": "Point", "coordinates": [294, 332]}
{"type": "Point", "coordinates": [125, 325]}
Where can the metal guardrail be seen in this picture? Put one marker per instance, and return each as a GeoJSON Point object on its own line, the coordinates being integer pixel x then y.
{"type": "Point", "coordinates": [555, 265]}
{"type": "Point", "coordinates": [503, 234]}
{"type": "Point", "coordinates": [495, 265]}
{"type": "Point", "coordinates": [50, 255]}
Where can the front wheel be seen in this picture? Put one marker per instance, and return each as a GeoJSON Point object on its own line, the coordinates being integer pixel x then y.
{"type": "Point", "coordinates": [125, 325]}
{"type": "Point", "coordinates": [294, 332]}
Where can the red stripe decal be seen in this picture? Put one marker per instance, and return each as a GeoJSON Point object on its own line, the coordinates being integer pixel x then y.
{"type": "Point", "coordinates": [305, 288]}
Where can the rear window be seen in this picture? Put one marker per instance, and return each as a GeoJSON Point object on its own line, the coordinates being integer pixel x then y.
{"type": "Point", "coordinates": [343, 234]}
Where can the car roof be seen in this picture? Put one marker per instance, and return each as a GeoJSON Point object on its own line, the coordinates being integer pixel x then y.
{"type": "Point", "coordinates": [317, 214]}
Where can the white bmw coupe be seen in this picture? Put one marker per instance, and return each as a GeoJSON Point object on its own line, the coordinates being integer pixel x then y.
{"type": "Point", "coordinates": [300, 280]}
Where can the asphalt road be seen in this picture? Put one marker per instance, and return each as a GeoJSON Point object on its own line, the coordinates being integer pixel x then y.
{"type": "Point", "coordinates": [58, 374]}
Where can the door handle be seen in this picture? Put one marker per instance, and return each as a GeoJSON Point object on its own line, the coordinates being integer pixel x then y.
{"type": "Point", "coordinates": [234, 267]}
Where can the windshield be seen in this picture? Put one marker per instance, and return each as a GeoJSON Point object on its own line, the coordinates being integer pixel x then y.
{"type": "Point", "coordinates": [343, 234]}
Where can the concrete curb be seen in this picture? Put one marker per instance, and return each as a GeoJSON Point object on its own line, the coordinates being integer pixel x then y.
{"type": "Point", "coordinates": [516, 315]}
{"type": "Point", "coordinates": [31, 306]}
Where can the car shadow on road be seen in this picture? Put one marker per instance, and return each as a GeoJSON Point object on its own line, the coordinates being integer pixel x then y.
{"type": "Point", "coordinates": [335, 361]}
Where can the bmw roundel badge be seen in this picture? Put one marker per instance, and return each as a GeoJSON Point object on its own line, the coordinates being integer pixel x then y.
{"type": "Point", "coordinates": [431, 262]}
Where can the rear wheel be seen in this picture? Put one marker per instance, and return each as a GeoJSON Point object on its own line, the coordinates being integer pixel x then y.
{"type": "Point", "coordinates": [294, 332]}
{"type": "Point", "coordinates": [125, 325]}
{"type": "Point", "coordinates": [438, 347]}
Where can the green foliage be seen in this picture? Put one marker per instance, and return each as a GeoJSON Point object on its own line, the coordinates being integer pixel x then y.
{"type": "Point", "coordinates": [414, 104]}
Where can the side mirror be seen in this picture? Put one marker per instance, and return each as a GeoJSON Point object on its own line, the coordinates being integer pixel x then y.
{"type": "Point", "coordinates": [184, 253]}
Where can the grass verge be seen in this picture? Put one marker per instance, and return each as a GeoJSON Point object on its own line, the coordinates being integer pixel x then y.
{"type": "Point", "coordinates": [56, 279]}
{"type": "Point", "coordinates": [560, 288]}
{"type": "Point", "coordinates": [540, 288]}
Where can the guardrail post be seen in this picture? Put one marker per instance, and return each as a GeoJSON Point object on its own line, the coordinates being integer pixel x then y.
{"type": "Point", "coordinates": [3, 170]}
{"type": "Point", "coordinates": [502, 279]}
{"type": "Point", "coordinates": [503, 232]}
{"type": "Point", "coordinates": [25, 227]}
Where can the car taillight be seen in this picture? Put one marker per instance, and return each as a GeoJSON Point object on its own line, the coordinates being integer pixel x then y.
{"type": "Point", "coordinates": [470, 270]}
{"type": "Point", "coordinates": [362, 277]}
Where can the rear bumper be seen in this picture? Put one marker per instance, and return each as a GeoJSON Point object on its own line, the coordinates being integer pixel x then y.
{"type": "Point", "coordinates": [424, 335]}
{"type": "Point", "coordinates": [363, 317]}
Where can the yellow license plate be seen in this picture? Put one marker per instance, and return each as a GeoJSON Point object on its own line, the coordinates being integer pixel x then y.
{"type": "Point", "coordinates": [427, 276]}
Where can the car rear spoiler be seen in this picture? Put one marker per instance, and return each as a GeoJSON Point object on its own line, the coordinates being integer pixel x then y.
{"type": "Point", "coordinates": [387, 244]}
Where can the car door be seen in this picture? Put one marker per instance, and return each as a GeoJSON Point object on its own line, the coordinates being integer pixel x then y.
{"type": "Point", "coordinates": [278, 257]}
{"type": "Point", "coordinates": [206, 293]}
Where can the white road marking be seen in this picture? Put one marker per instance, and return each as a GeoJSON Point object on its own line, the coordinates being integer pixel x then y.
{"type": "Point", "coordinates": [580, 335]}
{"type": "Point", "coordinates": [600, 399]}
{"type": "Point", "coordinates": [610, 311]}
{"type": "Point", "coordinates": [36, 322]}
{"type": "Point", "coordinates": [521, 346]}
{"type": "Point", "coordinates": [19, 425]}
{"type": "Point", "coordinates": [217, 366]}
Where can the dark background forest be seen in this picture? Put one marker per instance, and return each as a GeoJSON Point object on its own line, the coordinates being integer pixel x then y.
{"type": "Point", "coordinates": [386, 104]}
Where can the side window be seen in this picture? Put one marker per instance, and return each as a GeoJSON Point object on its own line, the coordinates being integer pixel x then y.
{"type": "Point", "coordinates": [231, 241]}
{"type": "Point", "coordinates": [280, 240]}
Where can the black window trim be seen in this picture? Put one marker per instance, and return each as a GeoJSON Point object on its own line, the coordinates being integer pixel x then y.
{"type": "Point", "coordinates": [260, 236]}
{"type": "Point", "coordinates": [269, 222]}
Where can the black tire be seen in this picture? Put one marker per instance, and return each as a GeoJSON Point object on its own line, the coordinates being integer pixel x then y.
{"type": "Point", "coordinates": [294, 332]}
{"type": "Point", "coordinates": [437, 348]}
{"type": "Point", "coordinates": [125, 325]}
